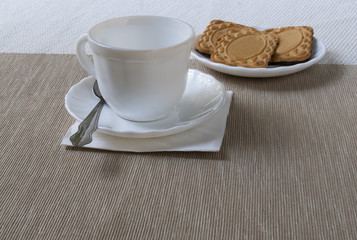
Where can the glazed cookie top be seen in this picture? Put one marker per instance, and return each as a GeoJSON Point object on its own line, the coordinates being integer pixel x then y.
{"type": "Point", "coordinates": [216, 28]}
{"type": "Point", "coordinates": [295, 43]}
{"type": "Point", "coordinates": [245, 48]}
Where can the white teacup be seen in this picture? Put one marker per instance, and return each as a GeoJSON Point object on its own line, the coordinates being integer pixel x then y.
{"type": "Point", "coordinates": [140, 62]}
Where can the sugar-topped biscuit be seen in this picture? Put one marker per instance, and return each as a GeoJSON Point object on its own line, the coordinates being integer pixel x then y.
{"type": "Point", "coordinates": [245, 48]}
{"type": "Point", "coordinates": [213, 32]}
{"type": "Point", "coordinates": [295, 43]}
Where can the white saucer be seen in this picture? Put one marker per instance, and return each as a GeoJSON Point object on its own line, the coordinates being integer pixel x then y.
{"type": "Point", "coordinates": [317, 53]}
{"type": "Point", "coordinates": [203, 97]}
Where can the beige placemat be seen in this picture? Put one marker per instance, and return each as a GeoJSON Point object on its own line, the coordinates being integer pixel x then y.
{"type": "Point", "coordinates": [287, 168]}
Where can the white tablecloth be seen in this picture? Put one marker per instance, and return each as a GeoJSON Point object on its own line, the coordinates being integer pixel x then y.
{"type": "Point", "coordinates": [53, 26]}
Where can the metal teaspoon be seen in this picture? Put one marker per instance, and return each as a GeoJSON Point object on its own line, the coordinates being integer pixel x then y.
{"type": "Point", "coordinates": [86, 128]}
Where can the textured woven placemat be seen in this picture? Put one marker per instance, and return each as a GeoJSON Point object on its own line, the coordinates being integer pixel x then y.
{"type": "Point", "coordinates": [287, 168]}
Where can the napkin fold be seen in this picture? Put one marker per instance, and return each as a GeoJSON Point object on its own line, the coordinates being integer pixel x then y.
{"type": "Point", "coordinates": [206, 137]}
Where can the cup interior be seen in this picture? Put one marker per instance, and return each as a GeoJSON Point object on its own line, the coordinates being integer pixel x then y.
{"type": "Point", "coordinates": [141, 33]}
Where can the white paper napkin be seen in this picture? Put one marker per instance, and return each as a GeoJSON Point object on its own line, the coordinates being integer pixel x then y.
{"type": "Point", "coordinates": [205, 137]}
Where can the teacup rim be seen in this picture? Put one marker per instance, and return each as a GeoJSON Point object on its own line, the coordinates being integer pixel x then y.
{"type": "Point", "coordinates": [191, 38]}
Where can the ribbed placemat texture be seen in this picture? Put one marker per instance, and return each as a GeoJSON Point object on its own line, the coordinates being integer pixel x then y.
{"type": "Point", "coordinates": [287, 168]}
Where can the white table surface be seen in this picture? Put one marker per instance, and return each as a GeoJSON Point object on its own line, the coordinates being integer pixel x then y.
{"type": "Point", "coordinates": [54, 26]}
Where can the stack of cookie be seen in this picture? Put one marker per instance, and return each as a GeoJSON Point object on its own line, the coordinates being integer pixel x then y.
{"type": "Point", "coordinates": [238, 45]}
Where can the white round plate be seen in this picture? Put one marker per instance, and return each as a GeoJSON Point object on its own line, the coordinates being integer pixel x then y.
{"type": "Point", "coordinates": [317, 53]}
{"type": "Point", "coordinates": [203, 97]}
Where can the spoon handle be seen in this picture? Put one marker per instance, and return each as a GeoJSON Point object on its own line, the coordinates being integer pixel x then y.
{"type": "Point", "coordinates": [86, 128]}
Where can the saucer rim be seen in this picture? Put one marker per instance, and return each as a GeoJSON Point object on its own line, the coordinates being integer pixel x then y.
{"type": "Point", "coordinates": [261, 72]}
{"type": "Point", "coordinates": [174, 129]}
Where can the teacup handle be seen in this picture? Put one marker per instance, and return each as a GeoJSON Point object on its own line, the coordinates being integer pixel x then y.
{"type": "Point", "coordinates": [84, 60]}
